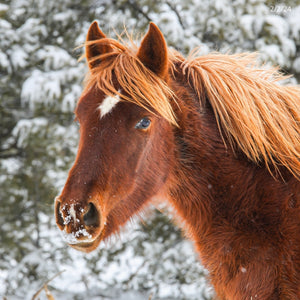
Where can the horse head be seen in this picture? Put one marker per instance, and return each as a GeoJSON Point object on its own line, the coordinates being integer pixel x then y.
{"type": "Point", "coordinates": [125, 148]}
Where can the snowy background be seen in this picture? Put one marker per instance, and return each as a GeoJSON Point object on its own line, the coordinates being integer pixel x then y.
{"type": "Point", "coordinates": [40, 82]}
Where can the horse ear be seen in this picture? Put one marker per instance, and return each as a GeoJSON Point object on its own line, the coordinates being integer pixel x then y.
{"type": "Point", "coordinates": [94, 50]}
{"type": "Point", "coordinates": [153, 51]}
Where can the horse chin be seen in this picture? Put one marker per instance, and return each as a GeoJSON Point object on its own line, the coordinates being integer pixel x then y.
{"type": "Point", "coordinates": [87, 246]}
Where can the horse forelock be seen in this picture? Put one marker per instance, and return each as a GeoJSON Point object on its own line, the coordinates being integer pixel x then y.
{"type": "Point", "coordinates": [138, 84]}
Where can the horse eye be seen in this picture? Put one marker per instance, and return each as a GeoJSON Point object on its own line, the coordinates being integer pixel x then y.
{"type": "Point", "coordinates": [143, 123]}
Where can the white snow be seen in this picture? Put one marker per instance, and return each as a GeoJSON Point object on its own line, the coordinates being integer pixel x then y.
{"type": "Point", "coordinates": [41, 88]}
{"type": "Point", "coordinates": [72, 238]}
{"type": "Point", "coordinates": [69, 100]}
{"type": "Point", "coordinates": [277, 26]}
{"type": "Point", "coordinates": [293, 20]}
{"type": "Point", "coordinates": [4, 62]}
{"type": "Point", "coordinates": [296, 65]}
{"type": "Point", "coordinates": [18, 57]}
{"type": "Point", "coordinates": [25, 127]}
{"type": "Point", "coordinates": [247, 24]}
{"type": "Point", "coordinates": [11, 165]}
{"type": "Point", "coordinates": [3, 7]}
{"type": "Point", "coordinates": [67, 219]}
{"type": "Point", "coordinates": [4, 25]}
{"type": "Point", "coordinates": [55, 57]}
{"type": "Point", "coordinates": [270, 52]}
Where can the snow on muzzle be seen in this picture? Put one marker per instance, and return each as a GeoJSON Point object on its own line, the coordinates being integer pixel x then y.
{"type": "Point", "coordinates": [78, 224]}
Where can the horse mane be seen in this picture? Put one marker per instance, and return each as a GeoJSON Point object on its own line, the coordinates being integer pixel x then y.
{"type": "Point", "coordinates": [252, 110]}
{"type": "Point", "coordinates": [256, 114]}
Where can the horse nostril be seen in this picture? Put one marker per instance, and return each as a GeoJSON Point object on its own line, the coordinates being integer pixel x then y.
{"type": "Point", "coordinates": [59, 218]}
{"type": "Point", "coordinates": [91, 217]}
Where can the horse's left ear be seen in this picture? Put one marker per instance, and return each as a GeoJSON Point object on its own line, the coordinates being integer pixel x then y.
{"type": "Point", "coordinates": [93, 49]}
{"type": "Point", "coordinates": [153, 51]}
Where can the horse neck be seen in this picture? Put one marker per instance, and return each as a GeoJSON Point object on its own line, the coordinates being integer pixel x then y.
{"type": "Point", "coordinates": [209, 180]}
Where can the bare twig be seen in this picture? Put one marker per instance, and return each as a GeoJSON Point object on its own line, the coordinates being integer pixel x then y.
{"type": "Point", "coordinates": [48, 294]}
{"type": "Point", "coordinates": [150, 296]}
{"type": "Point", "coordinates": [44, 287]}
{"type": "Point", "coordinates": [173, 7]}
{"type": "Point", "coordinates": [137, 7]}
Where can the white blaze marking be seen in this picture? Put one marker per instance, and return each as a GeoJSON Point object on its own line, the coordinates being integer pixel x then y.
{"type": "Point", "coordinates": [72, 213]}
{"type": "Point", "coordinates": [108, 104]}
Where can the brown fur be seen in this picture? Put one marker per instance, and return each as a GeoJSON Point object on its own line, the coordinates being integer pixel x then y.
{"type": "Point", "coordinates": [222, 147]}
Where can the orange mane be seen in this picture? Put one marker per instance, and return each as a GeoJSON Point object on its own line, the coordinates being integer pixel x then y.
{"type": "Point", "coordinates": [257, 114]}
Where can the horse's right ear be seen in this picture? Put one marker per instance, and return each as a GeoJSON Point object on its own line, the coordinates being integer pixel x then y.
{"type": "Point", "coordinates": [93, 49]}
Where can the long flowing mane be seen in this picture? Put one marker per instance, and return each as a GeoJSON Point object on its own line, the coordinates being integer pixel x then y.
{"type": "Point", "coordinates": [257, 114]}
{"type": "Point", "coordinates": [252, 110]}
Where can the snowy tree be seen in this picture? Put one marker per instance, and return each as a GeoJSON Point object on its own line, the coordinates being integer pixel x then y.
{"type": "Point", "coordinates": [39, 85]}
{"type": "Point", "coordinates": [40, 82]}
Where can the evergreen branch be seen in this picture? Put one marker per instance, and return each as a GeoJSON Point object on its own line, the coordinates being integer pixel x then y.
{"type": "Point", "coordinates": [12, 151]}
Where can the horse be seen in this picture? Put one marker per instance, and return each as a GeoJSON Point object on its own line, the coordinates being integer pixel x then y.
{"type": "Point", "coordinates": [216, 136]}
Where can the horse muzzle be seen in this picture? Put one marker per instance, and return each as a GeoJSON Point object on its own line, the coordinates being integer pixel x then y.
{"type": "Point", "coordinates": [81, 226]}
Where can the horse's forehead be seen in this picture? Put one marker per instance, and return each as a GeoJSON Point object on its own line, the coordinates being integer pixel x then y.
{"type": "Point", "coordinates": [108, 104]}
{"type": "Point", "coordinates": [97, 103]}
{"type": "Point", "coordinates": [93, 101]}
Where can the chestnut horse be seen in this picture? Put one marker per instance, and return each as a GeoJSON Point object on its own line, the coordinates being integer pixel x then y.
{"type": "Point", "coordinates": [215, 135]}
